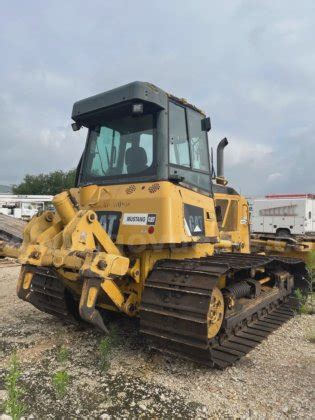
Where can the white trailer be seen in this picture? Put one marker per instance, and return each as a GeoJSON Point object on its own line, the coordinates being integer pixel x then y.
{"type": "Point", "coordinates": [23, 206]}
{"type": "Point", "coordinates": [284, 215]}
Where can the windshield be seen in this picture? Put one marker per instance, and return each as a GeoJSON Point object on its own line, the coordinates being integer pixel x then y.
{"type": "Point", "coordinates": [121, 146]}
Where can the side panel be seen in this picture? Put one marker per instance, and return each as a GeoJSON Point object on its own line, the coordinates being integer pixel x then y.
{"type": "Point", "coordinates": [232, 213]}
{"type": "Point", "coordinates": [150, 213]}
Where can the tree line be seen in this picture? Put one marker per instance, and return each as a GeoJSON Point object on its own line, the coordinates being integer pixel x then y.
{"type": "Point", "coordinates": [46, 184]}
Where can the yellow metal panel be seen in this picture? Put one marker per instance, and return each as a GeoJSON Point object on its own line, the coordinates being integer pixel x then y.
{"type": "Point", "coordinates": [240, 233]}
{"type": "Point", "coordinates": [92, 293]}
{"type": "Point", "coordinates": [164, 199]}
{"type": "Point", "coordinates": [27, 280]}
{"type": "Point", "coordinates": [113, 291]}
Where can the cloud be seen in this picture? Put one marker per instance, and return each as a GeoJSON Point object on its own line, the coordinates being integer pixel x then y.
{"type": "Point", "coordinates": [249, 65]}
{"type": "Point", "coordinates": [52, 138]}
{"type": "Point", "coordinates": [274, 177]}
{"type": "Point", "coordinates": [245, 152]}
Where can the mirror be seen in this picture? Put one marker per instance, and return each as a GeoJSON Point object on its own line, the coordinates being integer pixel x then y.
{"type": "Point", "coordinates": [206, 124]}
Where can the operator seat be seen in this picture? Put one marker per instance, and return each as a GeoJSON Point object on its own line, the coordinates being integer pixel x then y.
{"type": "Point", "coordinates": [136, 159]}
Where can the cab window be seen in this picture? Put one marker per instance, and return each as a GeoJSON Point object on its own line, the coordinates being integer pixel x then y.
{"type": "Point", "coordinates": [198, 142]}
{"type": "Point", "coordinates": [120, 147]}
{"type": "Point", "coordinates": [179, 146]}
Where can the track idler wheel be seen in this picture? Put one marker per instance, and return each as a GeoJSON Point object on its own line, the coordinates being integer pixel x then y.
{"type": "Point", "coordinates": [87, 309]}
{"type": "Point", "coordinates": [216, 313]}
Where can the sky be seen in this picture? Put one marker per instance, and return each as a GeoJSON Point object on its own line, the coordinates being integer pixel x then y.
{"type": "Point", "coordinates": [249, 64]}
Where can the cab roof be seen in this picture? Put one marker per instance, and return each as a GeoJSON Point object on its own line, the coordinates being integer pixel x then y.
{"type": "Point", "coordinates": [142, 91]}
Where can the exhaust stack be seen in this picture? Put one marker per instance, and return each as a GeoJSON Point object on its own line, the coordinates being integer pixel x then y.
{"type": "Point", "coordinates": [220, 161]}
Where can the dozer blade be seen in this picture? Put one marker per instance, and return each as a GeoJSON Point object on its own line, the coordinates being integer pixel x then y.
{"type": "Point", "coordinates": [87, 309]}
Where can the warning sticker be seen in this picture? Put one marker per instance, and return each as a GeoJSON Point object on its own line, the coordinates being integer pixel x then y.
{"type": "Point", "coordinates": [139, 219]}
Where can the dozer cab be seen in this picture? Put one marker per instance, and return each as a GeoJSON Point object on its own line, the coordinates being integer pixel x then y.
{"type": "Point", "coordinates": [147, 232]}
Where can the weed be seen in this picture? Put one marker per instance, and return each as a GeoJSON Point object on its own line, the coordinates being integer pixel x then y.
{"type": "Point", "coordinates": [306, 302]}
{"type": "Point", "coordinates": [13, 405]}
{"type": "Point", "coordinates": [61, 381]}
{"type": "Point", "coordinates": [63, 354]}
{"type": "Point", "coordinates": [306, 298]}
{"type": "Point", "coordinates": [114, 336]}
{"type": "Point", "coordinates": [301, 298]}
{"type": "Point", "coordinates": [311, 281]}
{"type": "Point", "coordinates": [61, 378]}
{"type": "Point", "coordinates": [106, 346]}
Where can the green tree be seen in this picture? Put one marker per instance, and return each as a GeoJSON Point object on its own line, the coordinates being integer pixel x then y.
{"type": "Point", "coordinates": [46, 184]}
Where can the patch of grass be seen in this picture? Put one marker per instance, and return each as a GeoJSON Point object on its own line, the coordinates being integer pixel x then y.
{"type": "Point", "coordinates": [104, 349]}
{"type": "Point", "coordinates": [13, 405]}
{"type": "Point", "coordinates": [61, 378]}
{"type": "Point", "coordinates": [114, 336]}
{"type": "Point", "coordinates": [306, 298]}
{"type": "Point", "coordinates": [306, 302]}
{"type": "Point", "coordinates": [106, 346]}
{"type": "Point", "coordinates": [301, 297]}
{"type": "Point", "coordinates": [63, 354]}
{"type": "Point", "coordinates": [311, 280]}
{"type": "Point", "coordinates": [61, 381]}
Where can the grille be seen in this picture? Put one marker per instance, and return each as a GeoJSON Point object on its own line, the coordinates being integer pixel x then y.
{"type": "Point", "coordinates": [130, 189]}
{"type": "Point", "coordinates": [154, 188]}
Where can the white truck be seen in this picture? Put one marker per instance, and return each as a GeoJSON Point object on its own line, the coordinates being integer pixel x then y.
{"type": "Point", "coordinates": [284, 215]}
{"type": "Point", "coordinates": [23, 206]}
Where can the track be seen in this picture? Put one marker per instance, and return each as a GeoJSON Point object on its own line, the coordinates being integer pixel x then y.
{"type": "Point", "coordinates": [48, 294]}
{"type": "Point", "coordinates": [176, 301]}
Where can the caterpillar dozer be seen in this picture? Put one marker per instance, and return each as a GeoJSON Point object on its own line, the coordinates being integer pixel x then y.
{"type": "Point", "coordinates": [147, 232]}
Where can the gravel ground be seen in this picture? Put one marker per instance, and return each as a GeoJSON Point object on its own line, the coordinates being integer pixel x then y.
{"type": "Point", "coordinates": [273, 381]}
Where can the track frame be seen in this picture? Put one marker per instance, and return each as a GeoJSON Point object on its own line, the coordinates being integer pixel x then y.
{"type": "Point", "coordinates": [176, 300]}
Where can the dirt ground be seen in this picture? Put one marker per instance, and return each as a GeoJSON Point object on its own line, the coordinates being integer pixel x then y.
{"type": "Point", "coordinates": [275, 380]}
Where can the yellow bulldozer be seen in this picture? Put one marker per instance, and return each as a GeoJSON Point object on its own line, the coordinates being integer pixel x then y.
{"type": "Point", "coordinates": [148, 232]}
